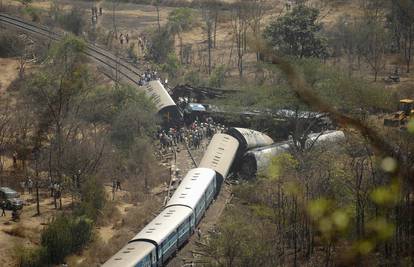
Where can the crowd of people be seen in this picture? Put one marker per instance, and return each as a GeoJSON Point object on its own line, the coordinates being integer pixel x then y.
{"type": "Point", "coordinates": [95, 14]}
{"type": "Point", "coordinates": [147, 76]}
{"type": "Point", "coordinates": [191, 135]}
{"type": "Point", "coordinates": [124, 38]}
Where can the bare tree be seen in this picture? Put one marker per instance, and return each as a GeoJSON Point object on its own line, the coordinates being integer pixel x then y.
{"type": "Point", "coordinates": [240, 17]}
{"type": "Point", "coordinates": [208, 15]}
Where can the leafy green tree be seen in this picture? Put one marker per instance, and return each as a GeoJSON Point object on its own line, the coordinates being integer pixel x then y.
{"type": "Point", "coordinates": [55, 95]}
{"type": "Point", "coordinates": [26, 2]}
{"type": "Point", "coordinates": [65, 235]}
{"type": "Point", "coordinates": [93, 198]}
{"type": "Point", "coordinates": [401, 18]}
{"type": "Point", "coordinates": [10, 44]}
{"type": "Point", "coordinates": [217, 76]}
{"type": "Point", "coordinates": [171, 66]}
{"type": "Point", "coordinates": [298, 33]}
{"type": "Point", "coordinates": [193, 78]}
{"type": "Point", "coordinates": [162, 44]}
{"type": "Point", "coordinates": [179, 21]}
{"type": "Point", "coordinates": [73, 21]}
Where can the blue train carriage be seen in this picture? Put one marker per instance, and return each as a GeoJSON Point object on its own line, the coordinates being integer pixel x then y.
{"type": "Point", "coordinates": [168, 231]}
{"type": "Point", "coordinates": [134, 254]}
{"type": "Point", "coordinates": [219, 156]}
{"type": "Point", "coordinates": [196, 191]}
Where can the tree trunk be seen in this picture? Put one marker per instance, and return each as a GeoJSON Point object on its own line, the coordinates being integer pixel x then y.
{"type": "Point", "coordinates": [215, 28]}
{"type": "Point", "coordinates": [37, 189]}
{"type": "Point", "coordinates": [209, 47]}
{"type": "Point", "coordinates": [158, 17]}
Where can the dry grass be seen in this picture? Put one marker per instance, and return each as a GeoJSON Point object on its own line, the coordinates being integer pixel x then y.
{"type": "Point", "coordinates": [17, 230]}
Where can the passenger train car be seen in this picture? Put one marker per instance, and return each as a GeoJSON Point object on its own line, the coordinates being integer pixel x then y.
{"type": "Point", "coordinates": [164, 104]}
{"type": "Point", "coordinates": [249, 139]}
{"type": "Point", "coordinates": [168, 231]}
{"type": "Point", "coordinates": [257, 160]}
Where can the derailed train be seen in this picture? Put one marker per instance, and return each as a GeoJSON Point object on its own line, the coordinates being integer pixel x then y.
{"type": "Point", "coordinates": [258, 159]}
{"type": "Point", "coordinates": [168, 231]}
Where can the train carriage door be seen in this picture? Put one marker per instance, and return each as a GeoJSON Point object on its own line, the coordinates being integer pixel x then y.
{"type": "Point", "coordinates": [153, 258]}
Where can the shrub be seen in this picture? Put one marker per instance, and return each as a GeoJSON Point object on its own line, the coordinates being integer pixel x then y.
{"type": "Point", "coordinates": [93, 199]}
{"type": "Point", "coordinates": [33, 13]}
{"type": "Point", "coordinates": [162, 44]}
{"type": "Point", "coordinates": [73, 21]}
{"type": "Point", "coordinates": [217, 77]}
{"type": "Point", "coordinates": [193, 78]}
{"type": "Point", "coordinates": [171, 66]}
{"type": "Point", "coordinates": [30, 257]}
{"type": "Point", "coordinates": [65, 235]}
{"type": "Point", "coordinates": [82, 232]}
{"type": "Point", "coordinates": [57, 239]}
{"type": "Point", "coordinates": [131, 53]}
{"type": "Point", "coordinates": [10, 44]}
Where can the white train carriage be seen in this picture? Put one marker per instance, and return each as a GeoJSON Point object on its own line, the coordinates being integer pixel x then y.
{"type": "Point", "coordinates": [248, 139]}
{"type": "Point", "coordinates": [134, 254]}
{"type": "Point", "coordinates": [220, 155]}
{"type": "Point", "coordinates": [258, 159]}
{"type": "Point", "coordinates": [327, 136]}
{"type": "Point", "coordinates": [196, 191]}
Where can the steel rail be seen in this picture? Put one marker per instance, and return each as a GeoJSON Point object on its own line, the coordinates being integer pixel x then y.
{"type": "Point", "coordinates": [57, 35]}
{"type": "Point", "coordinates": [94, 52]}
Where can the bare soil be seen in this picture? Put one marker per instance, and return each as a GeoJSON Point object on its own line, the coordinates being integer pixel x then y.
{"type": "Point", "coordinates": [9, 72]}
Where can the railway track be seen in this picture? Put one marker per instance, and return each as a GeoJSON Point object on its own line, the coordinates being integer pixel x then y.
{"type": "Point", "coordinates": [128, 72]}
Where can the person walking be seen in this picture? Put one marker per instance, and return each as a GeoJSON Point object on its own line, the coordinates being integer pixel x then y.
{"type": "Point", "coordinates": [118, 185]}
{"type": "Point", "coordinates": [3, 207]}
{"type": "Point", "coordinates": [30, 185]}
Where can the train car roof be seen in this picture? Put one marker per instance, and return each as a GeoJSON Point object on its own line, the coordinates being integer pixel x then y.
{"type": "Point", "coordinates": [220, 154]}
{"type": "Point", "coordinates": [264, 156]}
{"type": "Point", "coordinates": [192, 187]}
{"type": "Point", "coordinates": [327, 136]}
{"type": "Point", "coordinates": [164, 224]}
{"type": "Point", "coordinates": [250, 138]}
{"type": "Point", "coordinates": [158, 94]}
{"type": "Point", "coordinates": [130, 254]}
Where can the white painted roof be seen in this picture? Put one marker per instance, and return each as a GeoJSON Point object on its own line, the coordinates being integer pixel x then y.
{"type": "Point", "coordinates": [156, 91]}
{"type": "Point", "coordinates": [220, 154]}
{"type": "Point", "coordinates": [130, 254]}
{"type": "Point", "coordinates": [264, 156]}
{"type": "Point", "coordinates": [164, 224]}
{"type": "Point", "coordinates": [327, 136]}
{"type": "Point", "coordinates": [192, 187]}
{"type": "Point", "coordinates": [254, 138]}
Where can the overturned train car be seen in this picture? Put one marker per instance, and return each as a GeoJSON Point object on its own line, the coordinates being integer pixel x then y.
{"type": "Point", "coordinates": [165, 105]}
{"type": "Point", "coordinates": [257, 160]}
